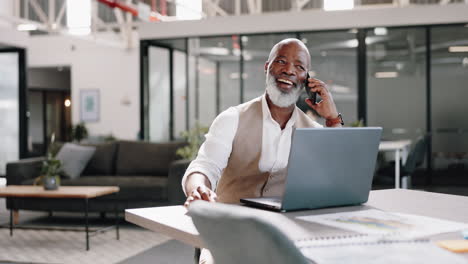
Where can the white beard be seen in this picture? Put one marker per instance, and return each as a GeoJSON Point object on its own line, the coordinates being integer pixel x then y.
{"type": "Point", "coordinates": [278, 97]}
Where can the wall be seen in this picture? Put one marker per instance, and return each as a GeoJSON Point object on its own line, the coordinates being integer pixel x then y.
{"type": "Point", "coordinates": [308, 20]}
{"type": "Point", "coordinates": [112, 70]}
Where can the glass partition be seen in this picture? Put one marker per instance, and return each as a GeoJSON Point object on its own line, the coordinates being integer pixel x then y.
{"type": "Point", "coordinates": [159, 93]}
{"type": "Point", "coordinates": [396, 82]}
{"type": "Point", "coordinates": [334, 61]}
{"type": "Point", "coordinates": [9, 108]}
{"type": "Point", "coordinates": [449, 78]}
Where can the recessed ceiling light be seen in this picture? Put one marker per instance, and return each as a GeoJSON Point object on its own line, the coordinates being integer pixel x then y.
{"type": "Point", "coordinates": [386, 74]}
{"type": "Point", "coordinates": [380, 31]}
{"type": "Point", "coordinates": [458, 49]}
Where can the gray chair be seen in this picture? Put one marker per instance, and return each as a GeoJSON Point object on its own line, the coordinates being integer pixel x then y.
{"type": "Point", "coordinates": [236, 234]}
{"type": "Point", "coordinates": [415, 159]}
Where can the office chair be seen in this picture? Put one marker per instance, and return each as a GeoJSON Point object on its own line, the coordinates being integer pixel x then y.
{"type": "Point", "coordinates": [236, 234]}
{"type": "Point", "coordinates": [414, 160]}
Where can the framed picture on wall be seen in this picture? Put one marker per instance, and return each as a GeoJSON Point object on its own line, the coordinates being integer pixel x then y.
{"type": "Point", "coordinates": [89, 105]}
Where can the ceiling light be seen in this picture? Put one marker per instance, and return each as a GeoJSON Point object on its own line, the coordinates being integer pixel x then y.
{"type": "Point", "coordinates": [458, 49]}
{"type": "Point", "coordinates": [67, 103]}
{"type": "Point", "coordinates": [332, 5]}
{"type": "Point", "coordinates": [380, 31]}
{"type": "Point", "coordinates": [26, 27]}
{"type": "Point", "coordinates": [386, 74]}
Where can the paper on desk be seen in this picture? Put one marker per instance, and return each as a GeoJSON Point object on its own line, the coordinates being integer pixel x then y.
{"type": "Point", "coordinates": [402, 253]}
{"type": "Point", "coordinates": [376, 222]}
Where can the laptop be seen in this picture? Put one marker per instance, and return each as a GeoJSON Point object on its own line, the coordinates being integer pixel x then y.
{"type": "Point", "coordinates": [327, 167]}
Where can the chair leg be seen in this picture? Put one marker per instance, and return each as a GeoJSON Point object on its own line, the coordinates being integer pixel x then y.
{"type": "Point", "coordinates": [196, 255]}
{"type": "Point", "coordinates": [406, 182]}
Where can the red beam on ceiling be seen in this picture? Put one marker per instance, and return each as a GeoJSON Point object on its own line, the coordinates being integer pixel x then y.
{"type": "Point", "coordinates": [115, 3]}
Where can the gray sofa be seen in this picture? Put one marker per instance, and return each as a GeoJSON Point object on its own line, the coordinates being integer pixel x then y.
{"type": "Point", "coordinates": [140, 169]}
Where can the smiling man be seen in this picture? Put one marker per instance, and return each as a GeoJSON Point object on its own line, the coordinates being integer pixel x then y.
{"type": "Point", "coordinates": [247, 147]}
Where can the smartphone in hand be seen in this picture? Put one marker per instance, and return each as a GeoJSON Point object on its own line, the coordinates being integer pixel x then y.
{"type": "Point", "coordinates": [312, 95]}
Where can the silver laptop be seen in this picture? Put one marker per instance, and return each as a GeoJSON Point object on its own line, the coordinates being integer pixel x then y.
{"type": "Point", "coordinates": [327, 167]}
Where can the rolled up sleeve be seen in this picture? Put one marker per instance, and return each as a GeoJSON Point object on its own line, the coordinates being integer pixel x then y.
{"type": "Point", "coordinates": [214, 153]}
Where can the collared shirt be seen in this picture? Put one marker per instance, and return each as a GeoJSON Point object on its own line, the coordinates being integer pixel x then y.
{"type": "Point", "coordinates": [214, 153]}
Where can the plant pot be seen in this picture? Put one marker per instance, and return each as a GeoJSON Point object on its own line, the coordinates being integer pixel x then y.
{"type": "Point", "coordinates": [51, 183]}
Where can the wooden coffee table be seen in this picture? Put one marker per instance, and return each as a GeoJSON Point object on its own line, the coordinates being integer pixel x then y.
{"type": "Point", "coordinates": [63, 192]}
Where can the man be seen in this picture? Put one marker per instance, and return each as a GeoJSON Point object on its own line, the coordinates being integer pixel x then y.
{"type": "Point", "coordinates": [260, 129]}
{"type": "Point", "coordinates": [247, 147]}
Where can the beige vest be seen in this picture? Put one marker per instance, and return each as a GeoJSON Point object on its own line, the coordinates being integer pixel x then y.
{"type": "Point", "coordinates": [242, 178]}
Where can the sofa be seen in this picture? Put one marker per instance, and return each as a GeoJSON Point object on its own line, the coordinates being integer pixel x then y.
{"type": "Point", "coordinates": [140, 169]}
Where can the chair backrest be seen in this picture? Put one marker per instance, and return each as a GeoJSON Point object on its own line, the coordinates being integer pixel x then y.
{"type": "Point", "coordinates": [417, 154]}
{"type": "Point", "coordinates": [236, 234]}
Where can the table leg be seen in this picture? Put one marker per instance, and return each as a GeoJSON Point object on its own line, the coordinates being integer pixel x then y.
{"type": "Point", "coordinates": [87, 223]}
{"type": "Point", "coordinates": [11, 222]}
{"type": "Point", "coordinates": [117, 222]}
{"type": "Point", "coordinates": [397, 169]}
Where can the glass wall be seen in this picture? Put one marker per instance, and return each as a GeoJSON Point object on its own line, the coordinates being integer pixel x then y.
{"type": "Point", "coordinates": [9, 108]}
{"type": "Point", "coordinates": [217, 84]}
{"type": "Point", "coordinates": [179, 99]}
{"type": "Point", "coordinates": [159, 93]}
{"type": "Point", "coordinates": [223, 71]}
{"type": "Point", "coordinates": [396, 82]}
{"type": "Point", "coordinates": [449, 79]}
{"type": "Point", "coordinates": [334, 61]}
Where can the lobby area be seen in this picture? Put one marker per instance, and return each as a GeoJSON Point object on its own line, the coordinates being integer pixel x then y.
{"type": "Point", "coordinates": [106, 106]}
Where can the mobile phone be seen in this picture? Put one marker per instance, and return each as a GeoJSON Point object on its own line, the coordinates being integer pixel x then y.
{"type": "Point", "coordinates": [312, 95]}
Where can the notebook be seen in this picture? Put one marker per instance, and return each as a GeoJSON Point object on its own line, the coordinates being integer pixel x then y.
{"type": "Point", "coordinates": [326, 167]}
{"type": "Point", "coordinates": [374, 249]}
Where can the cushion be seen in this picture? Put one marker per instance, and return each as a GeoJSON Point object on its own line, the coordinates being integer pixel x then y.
{"type": "Point", "coordinates": [145, 158]}
{"type": "Point", "coordinates": [74, 158]}
{"type": "Point", "coordinates": [102, 162]}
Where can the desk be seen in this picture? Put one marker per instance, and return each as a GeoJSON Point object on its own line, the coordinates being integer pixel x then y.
{"type": "Point", "coordinates": [400, 147]}
{"type": "Point", "coordinates": [173, 221]}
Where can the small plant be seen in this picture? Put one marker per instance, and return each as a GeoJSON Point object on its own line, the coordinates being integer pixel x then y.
{"type": "Point", "coordinates": [50, 171]}
{"type": "Point", "coordinates": [195, 137]}
{"type": "Point", "coordinates": [79, 132]}
{"type": "Point", "coordinates": [357, 123]}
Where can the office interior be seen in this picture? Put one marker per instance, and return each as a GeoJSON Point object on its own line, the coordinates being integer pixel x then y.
{"type": "Point", "coordinates": [162, 67]}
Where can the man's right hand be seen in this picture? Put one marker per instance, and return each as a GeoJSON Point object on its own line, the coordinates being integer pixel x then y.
{"type": "Point", "coordinates": [197, 187]}
{"type": "Point", "coordinates": [201, 192]}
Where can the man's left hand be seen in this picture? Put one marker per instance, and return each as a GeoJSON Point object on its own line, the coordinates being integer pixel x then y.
{"type": "Point", "coordinates": [325, 108]}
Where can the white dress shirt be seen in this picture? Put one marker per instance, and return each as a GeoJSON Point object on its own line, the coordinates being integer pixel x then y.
{"type": "Point", "coordinates": [215, 151]}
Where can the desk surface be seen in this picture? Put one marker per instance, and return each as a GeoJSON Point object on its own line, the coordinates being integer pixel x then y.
{"type": "Point", "coordinates": [173, 221]}
{"type": "Point", "coordinates": [394, 145]}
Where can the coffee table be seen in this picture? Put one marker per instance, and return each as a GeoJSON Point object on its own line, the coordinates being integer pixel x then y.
{"type": "Point", "coordinates": [63, 192]}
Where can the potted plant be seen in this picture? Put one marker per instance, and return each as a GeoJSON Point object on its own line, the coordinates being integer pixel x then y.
{"type": "Point", "coordinates": [79, 132]}
{"type": "Point", "coordinates": [194, 137]}
{"type": "Point", "coordinates": [50, 171]}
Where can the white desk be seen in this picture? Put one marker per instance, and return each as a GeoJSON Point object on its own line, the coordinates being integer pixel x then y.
{"type": "Point", "coordinates": [173, 221]}
{"type": "Point", "coordinates": [400, 147]}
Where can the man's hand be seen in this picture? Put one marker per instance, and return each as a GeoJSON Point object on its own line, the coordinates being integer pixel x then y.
{"type": "Point", "coordinates": [197, 187]}
{"type": "Point", "coordinates": [325, 108]}
{"type": "Point", "coordinates": [200, 193]}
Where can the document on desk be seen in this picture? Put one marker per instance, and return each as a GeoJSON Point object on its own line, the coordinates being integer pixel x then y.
{"type": "Point", "coordinates": [376, 222]}
{"type": "Point", "coordinates": [410, 252]}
